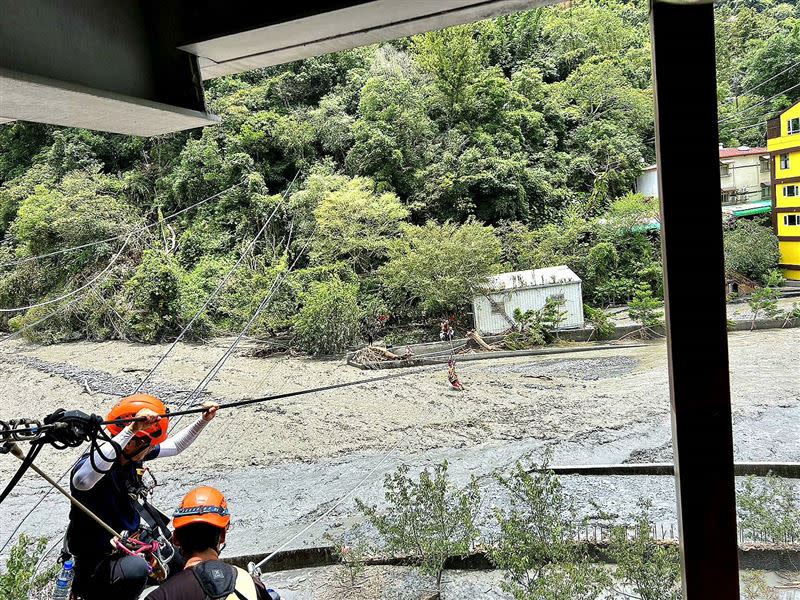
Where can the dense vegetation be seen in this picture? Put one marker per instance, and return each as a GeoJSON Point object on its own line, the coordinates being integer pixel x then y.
{"type": "Point", "coordinates": [424, 164]}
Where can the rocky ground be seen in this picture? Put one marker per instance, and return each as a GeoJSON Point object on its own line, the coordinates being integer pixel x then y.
{"type": "Point", "coordinates": [286, 464]}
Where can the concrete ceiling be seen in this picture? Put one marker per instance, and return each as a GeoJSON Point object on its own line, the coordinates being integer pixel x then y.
{"type": "Point", "coordinates": [137, 67]}
{"type": "Point", "coordinates": [342, 29]}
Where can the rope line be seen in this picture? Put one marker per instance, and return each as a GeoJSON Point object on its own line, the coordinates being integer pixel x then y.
{"type": "Point", "coordinates": [217, 289]}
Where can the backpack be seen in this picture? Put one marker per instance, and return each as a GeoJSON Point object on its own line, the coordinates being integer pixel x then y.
{"type": "Point", "coordinates": [221, 581]}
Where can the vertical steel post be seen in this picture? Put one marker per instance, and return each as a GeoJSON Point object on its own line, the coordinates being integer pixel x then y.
{"type": "Point", "coordinates": [684, 76]}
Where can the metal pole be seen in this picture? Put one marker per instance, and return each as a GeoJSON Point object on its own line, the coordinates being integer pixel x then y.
{"type": "Point", "coordinates": [684, 76]}
{"type": "Point", "coordinates": [17, 451]}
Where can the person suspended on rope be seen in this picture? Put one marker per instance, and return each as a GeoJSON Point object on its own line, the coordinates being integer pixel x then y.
{"type": "Point", "coordinates": [108, 480]}
{"type": "Point", "coordinates": [452, 376]}
{"type": "Point", "coordinates": [201, 524]}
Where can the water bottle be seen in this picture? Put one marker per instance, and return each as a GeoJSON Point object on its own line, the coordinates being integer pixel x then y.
{"type": "Point", "coordinates": [64, 582]}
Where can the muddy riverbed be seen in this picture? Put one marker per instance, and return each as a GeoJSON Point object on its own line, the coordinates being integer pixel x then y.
{"type": "Point", "coordinates": [283, 465]}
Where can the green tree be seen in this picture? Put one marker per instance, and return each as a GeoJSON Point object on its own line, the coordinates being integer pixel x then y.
{"type": "Point", "coordinates": [427, 519]}
{"type": "Point", "coordinates": [453, 57]}
{"type": "Point", "coordinates": [330, 320]}
{"type": "Point", "coordinates": [751, 249]}
{"type": "Point", "coordinates": [438, 268]}
{"type": "Point", "coordinates": [643, 309]}
{"type": "Point", "coordinates": [356, 225]}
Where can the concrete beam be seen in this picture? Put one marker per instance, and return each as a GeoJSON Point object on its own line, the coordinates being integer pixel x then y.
{"type": "Point", "coordinates": [789, 470]}
{"type": "Point", "coordinates": [42, 100]}
{"type": "Point", "coordinates": [225, 46]}
{"type": "Point", "coordinates": [112, 66]}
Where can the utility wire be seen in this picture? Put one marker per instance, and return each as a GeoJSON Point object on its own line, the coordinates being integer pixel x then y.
{"type": "Point", "coordinates": [78, 290]}
{"type": "Point", "coordinates": [120, 236]}
{"type": "Point", "coordinates": [766, 81]}
{"type": "Point", "coordinates": [733, 115]}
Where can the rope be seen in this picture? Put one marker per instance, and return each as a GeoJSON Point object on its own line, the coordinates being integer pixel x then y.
{"type": "Point", "coordinates": [120, 236]}
{"type": "Point", "coordinates": [263, 305]}
{"type": "Point", "coordinates": [56, 311]}
{"type": "Point", "coordinates": [262, 399]}
{"type": "Point", "coordinates": [216, 290]}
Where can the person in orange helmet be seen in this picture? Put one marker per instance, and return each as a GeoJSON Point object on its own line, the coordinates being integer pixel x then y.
{"type": "Point", "coordinates": [201, 523]}
{"type": "Point", "coordinates": [108, 481]}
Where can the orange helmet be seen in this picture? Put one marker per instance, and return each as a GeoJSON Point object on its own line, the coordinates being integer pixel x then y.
{"type": "Point", "coordinates": [202, 505]}
{"type": "Point", "coordinates": [128, 407]}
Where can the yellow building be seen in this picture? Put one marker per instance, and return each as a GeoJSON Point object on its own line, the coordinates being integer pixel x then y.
{"type": "Point", "coordinates": [783, 143]}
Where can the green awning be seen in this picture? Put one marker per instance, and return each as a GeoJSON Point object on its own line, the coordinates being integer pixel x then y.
{"type": "Point", "coordinates": [753, 208]}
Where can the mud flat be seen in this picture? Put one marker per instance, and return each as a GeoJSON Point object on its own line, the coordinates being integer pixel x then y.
{"type": "Point", "coordinates": [283, 465]}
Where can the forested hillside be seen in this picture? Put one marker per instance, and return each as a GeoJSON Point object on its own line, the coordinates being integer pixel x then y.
{"type": "Point", "coordinates": [418, 167]}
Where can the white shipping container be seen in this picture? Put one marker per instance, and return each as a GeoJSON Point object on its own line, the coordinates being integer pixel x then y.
{"type": "Point", "coordinates": [527, 290]}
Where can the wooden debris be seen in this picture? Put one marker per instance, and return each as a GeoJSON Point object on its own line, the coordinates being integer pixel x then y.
{"type": "Point", "coordinates": [473, 336]}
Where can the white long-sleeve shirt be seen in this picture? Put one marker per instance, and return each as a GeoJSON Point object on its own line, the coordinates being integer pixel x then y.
{"type": "Point", "coordinates": [85, 477]}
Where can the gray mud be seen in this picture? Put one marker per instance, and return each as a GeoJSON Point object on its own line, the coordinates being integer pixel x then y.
{"type": "Point", "coordinates": [282, 465]}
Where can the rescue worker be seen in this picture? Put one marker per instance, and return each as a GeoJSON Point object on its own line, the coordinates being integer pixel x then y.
{"type": "Point", "coordinates": [201, 523]}
{"type": "Point", "coordinates": [445, 331]}
{"type": "Point", "coordinates": [109, 483]}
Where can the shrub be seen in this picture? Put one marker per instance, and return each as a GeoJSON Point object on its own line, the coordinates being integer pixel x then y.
{"type": "Point", "coordinates": [537, 548]}
{"type": "Point", "coordinates": [330, 320]}
{"type": "Point", "coordinates": [768, 507]}
{"type": "Point", "coordinates": [427, 519]}
{"type": "Point", "coordinates": [19, 580]}
{"type": "Point", "coordinates": [751, 249]}
{"type": "Point", "coordinates": [599, 320]}
{"type": "Point", "coordinates": [764, 300]}
{"type": "Point", "coordinates": [153, 295]}
{"type": "Point", "coordinates": [352, 551]}
{"type": "Point", "coordinates": [650, 570]}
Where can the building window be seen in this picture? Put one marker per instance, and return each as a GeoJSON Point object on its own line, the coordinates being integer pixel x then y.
{"type": "Point", "coordinates": [791, 220]}
{"type": "Point", "coordinates": [789, 191]}
{"type": "Point", "coordinates": [727, 196]}
{"type": "Point", "coordinates": [765, 192]}
{"type": "Point", "coordinates": [793, 125]}
{"type": "Point", "coordinates": [784, 161]}
{"type": "Point", "coordinates": [764, 165]}
{"type": "Point", "coordinates": [724, 170]}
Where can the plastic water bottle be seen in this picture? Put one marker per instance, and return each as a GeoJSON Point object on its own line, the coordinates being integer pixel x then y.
{"type": "Point", "coordinates": [64, 582]}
